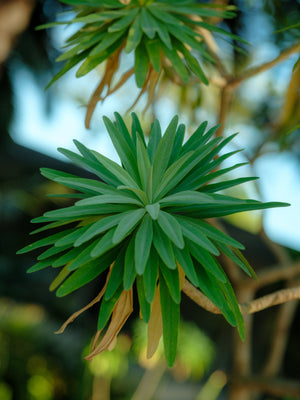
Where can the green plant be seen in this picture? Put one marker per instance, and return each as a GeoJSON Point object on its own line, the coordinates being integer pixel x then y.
{"type": "Point", "coordinates": [164, 35]}
{"type": "Point", "coordinates": [144, 222]}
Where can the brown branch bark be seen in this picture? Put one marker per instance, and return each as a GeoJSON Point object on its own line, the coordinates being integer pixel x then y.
{"type": "Point", "coordinates": [276, 387]}
{"type": "Point", "coordinates": [242, 354]}
{"type": "Point", "coordinates": [249, 73]}
{"type": "Point", "coordinates": [273, 274]}
{"type": "Point", "coordinates": [279, 297]}
{"type": "Point", "coordinates": [279, 341]}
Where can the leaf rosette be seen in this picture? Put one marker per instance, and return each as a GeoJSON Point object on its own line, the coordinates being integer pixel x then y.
{"type": "Point", "coordinates": [144, 224]}
{"type": "Point", "coordinates": [163, 35]}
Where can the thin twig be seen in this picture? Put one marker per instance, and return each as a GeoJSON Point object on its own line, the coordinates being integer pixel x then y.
{"type": "Point", "coordinates": [273, 274]}
{"type": "Point", "coordinates": [279, 341]}
{"type": "Point", "coordinates": [276, 387]}
{"type": "Point", "coordinates": [279, 297]}
{"type": "Point", "coordinates": [249, 73]}
{"type": "Point", "coordinates": [225, 104]}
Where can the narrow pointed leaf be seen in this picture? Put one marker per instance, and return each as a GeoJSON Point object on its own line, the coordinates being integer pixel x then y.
{"type": "Point", "coordinates": [106, 308]}
{"type": "Point", "coordinates": [150, 275]}
{"type": "Point", "coordinates": [129, 265]}
{"type": "Point", "coordinates": [143, 241]}
{"type": "Point", "coordinates": [171, 228]}
{"type": "Point", "coordinates": [145, 307]}
{"type": "Point", "coordinates": [127, 224]}
{"type": "Point", "coordinates": [170, 319]}
{"type": "Point", "coordinates": [163, 247]}
{"type": "Point", "coordinates": [85, 274]}
{"type": "Point", "coordinates": [116, 276]}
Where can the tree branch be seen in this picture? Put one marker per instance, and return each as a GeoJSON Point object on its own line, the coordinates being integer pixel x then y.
{"type": "Point", "coordinates": [279, 297]}
{"type": "Point", "coordinates": [273, 274]}
{"type": "Point", "coordinates": [276, 387]}
{"type": "Point", "coordinates": [249, 73]}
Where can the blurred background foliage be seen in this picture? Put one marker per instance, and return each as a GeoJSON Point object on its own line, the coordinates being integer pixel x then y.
{"type": "Point", "coordinates": [35, 364]}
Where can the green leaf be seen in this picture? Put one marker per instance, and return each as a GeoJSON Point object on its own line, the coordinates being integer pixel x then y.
{"type": "Point", "coordinates": [185, 261]}
{"type": "Point", "coordinates": [164, 35]}
{"type": "Point", "coordinates": [163, 153]}
{"type": "Point", "coordinates": [143, 162]}
{"type": "Point", "coordinates": [106, 308]}
{"type": "Point", "coordinates": [67, 257]}
{"type": "Point", "coordinates": [64, 273]}
{"type": "Point", "coordinates": [70, 238]}
{"type": "Point", "coordinates": [163, 247]}
{"type": "Point", "coordinates": [153, 210]}
{"type": "Point", "coordinates": [143, 241]}
{"type": "Point", "coordinates": [85, 274]}
{"type": "Point", "coordinates": [129, 265]}
{"type": "Point", "coordinates": [124, 22]}
{"type": "Point", "coordinates": [82, 46]}
{"type": "Point", "coordinates": [82, 211]}
{"type": "Point", "coordinates": [85, 152]}
{"type": "Point", "coordinates": [99, 227]}
{"type": "Point", "coordinates": [41, 265]}
{"type": "Point", "coordinates": [122, 129]}
{"type": "Point", "coordinates": [193, 232]}
{"type": "Point", "coordinates": [185, 198]}
{"type": "Point", "coordinates": [122, 146]}
{"type": "Point", "coordinates": [230, 296]}
{"type": "Point", "coordinates": [119, 198]}
{"type": "Point", "coordinates": [90, 186]}
{"type": "Point", "coordinates": [171, 227]}
{"type": "Point", "coordinates": [177, 145]}
{"type": "Point", "coordinates": [204, 176]}
{"type": "Point", "coordinates": [127, 224]}
{"type": "Point", "coordinates": [165, 17]}
{"type": "Point", "coordinates": [116, 276]}
{"type": "Point", "coordinates": [93, 61]}
{"type": "Point", "coordinates": [154, 52]}
{"type": "Point", "coordinates": [170, 319]}
{"type": "Point", "coordinates": [172, 281]}
{"type": "Point", "coordinates": [104, 244]}
{"type": "Point", "coordinates": [176, 62]}
{"type": "Point", "coordinates": [136, 129]}
{"type": "Point", "coordinates": [108, 40]}
{"type": "Point", "coordinates": [197, 137]}
{"type": "Point", "coordinates": [145, 307]}
{"type": "Point", "coordinates": [141, 65]}
{"type": "Point", "coordinates": [83, 257]}
{"type": "Point", "coordinates": [138, 192]}
{"type": "Point", "coordinates": [181, 181]}
{"type": "Point", "coordinates": [45, 242]}
{"type": "Point", "coordinates": [218, 235]}
{"type": "Point", "coordinates": [186, 38]}
{"type": "Point", "coordinates": [134, 35]}
{"type": "Point", "coordinates": [216, 187]}
{"type": "Point", "coordinates": [214, 291]}
{"type": "Point", "coordinates": [53, 251]}
{"type": "Point", "coordinates": [69, 65]}
{"type": "Point", "coordinates": [154, 139]}
{"type": "Point", "coordinates": [193, 63]}
{"type": "Point", "coordinates": [148, 23]}
{"type": "Point", "coordinates": [171, 175]}
{"type": "Point", "coordinates": [213, 28]}
{"type": "Point", "coordinates": [220, 210]}
{"type": "Point", "coordinates": [52, 225]}
{"type": "Point", "coordinates": [239, 260]}
{"type": "Point", "coordinates": [150, 275]}
{"type": "Point", "coordinates": [121, 174]}
{"type": "Point", "coordinates": [207, 261]}
{"type": "Point", "coordinates": [93, 166]}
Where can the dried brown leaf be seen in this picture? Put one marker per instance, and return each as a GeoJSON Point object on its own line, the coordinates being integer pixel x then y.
{"type": "Point", "coordinates": [121, 312]}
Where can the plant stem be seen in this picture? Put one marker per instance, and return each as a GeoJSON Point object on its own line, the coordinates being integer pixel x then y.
{"type": "Point", "coordinates": [279, 297]}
